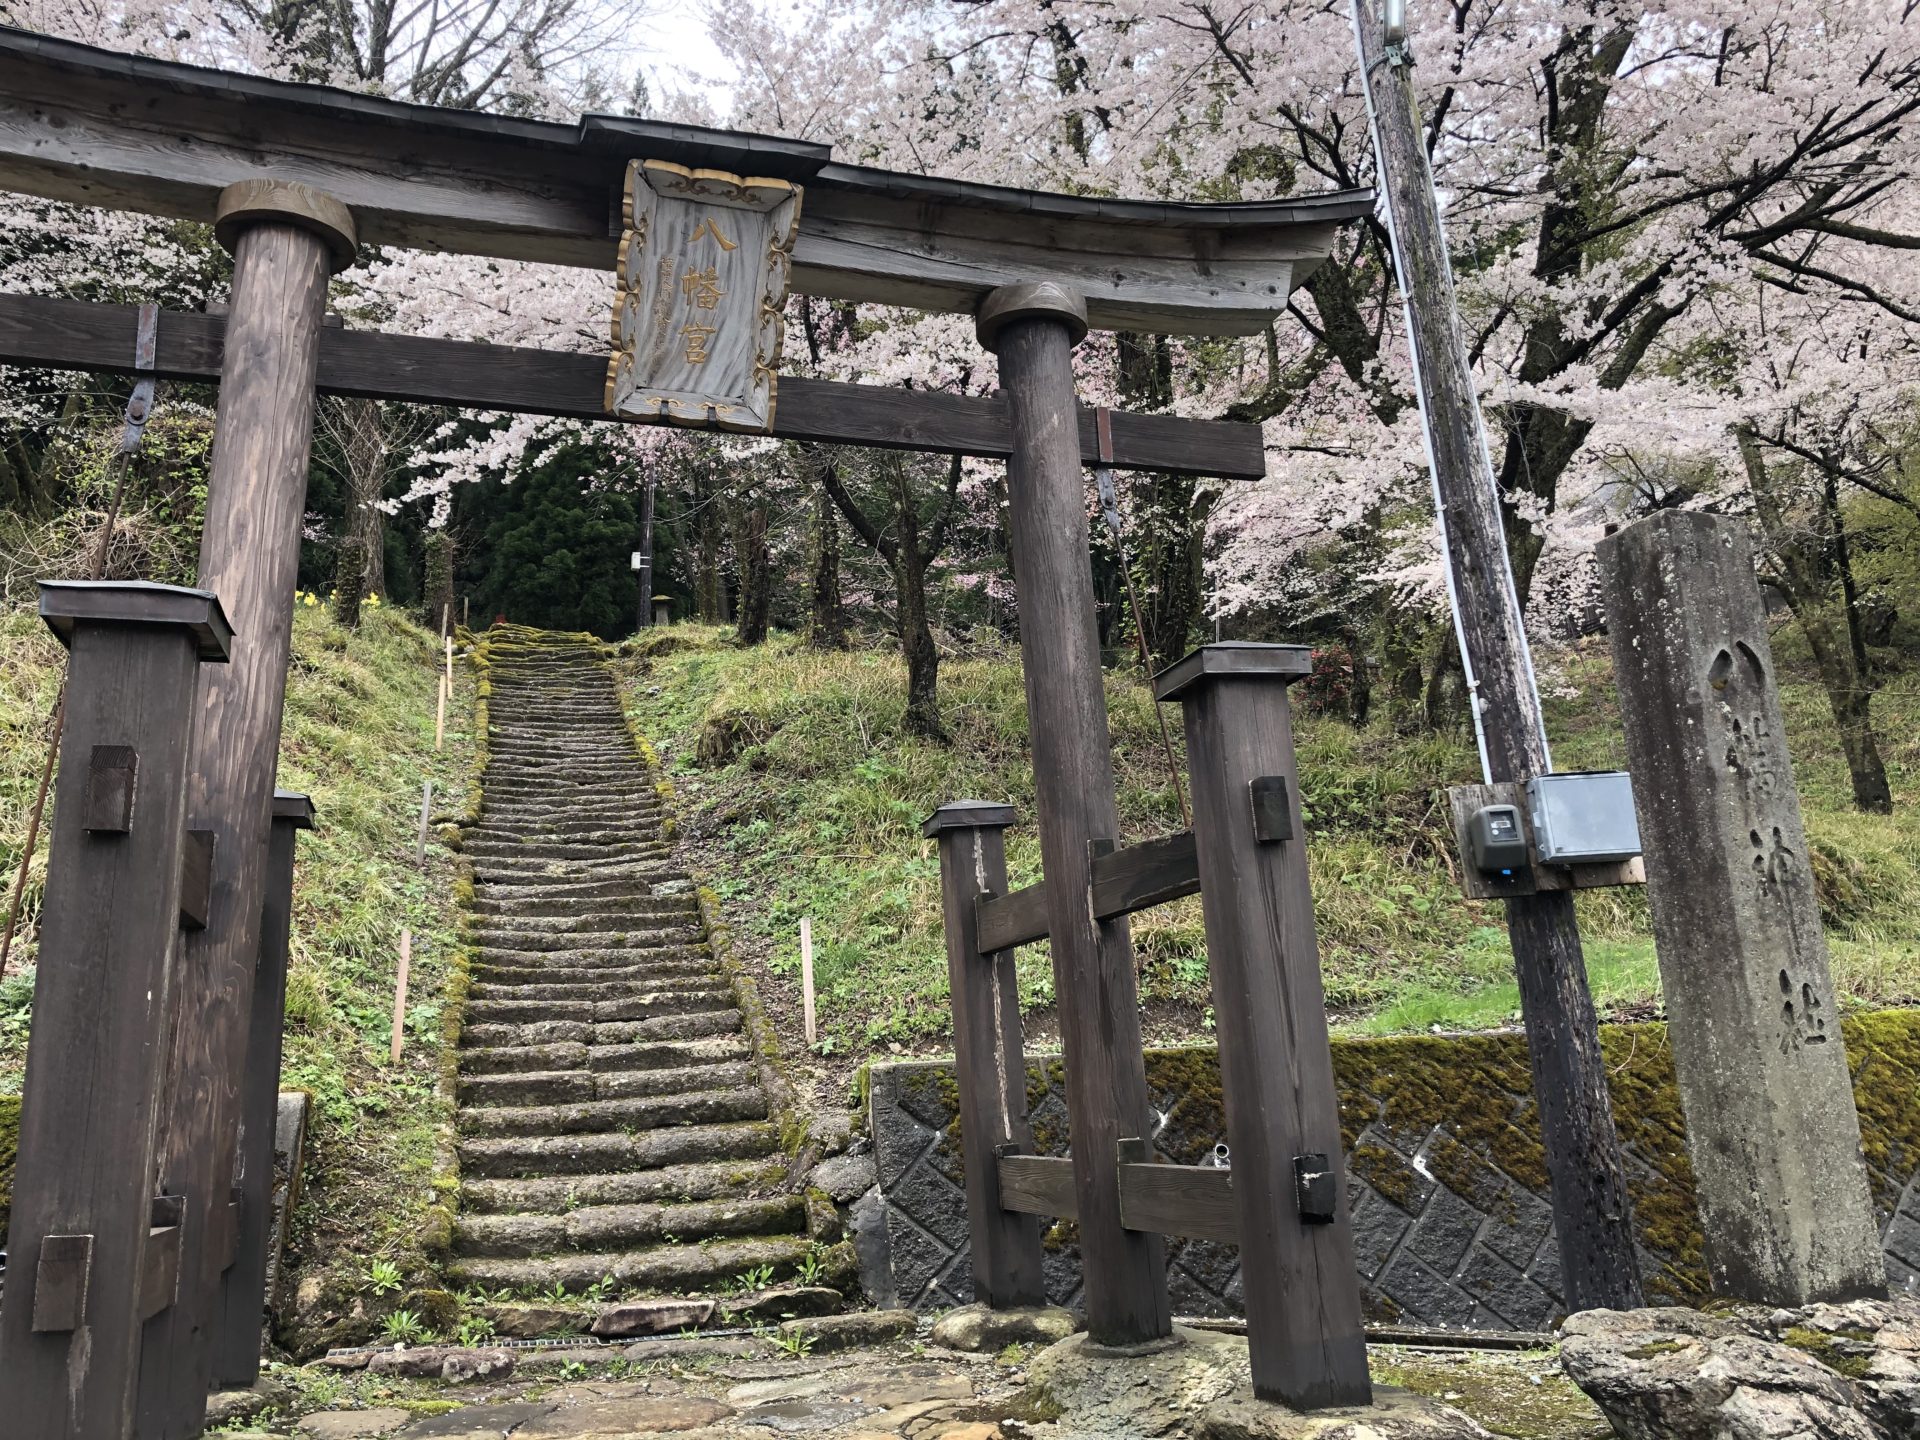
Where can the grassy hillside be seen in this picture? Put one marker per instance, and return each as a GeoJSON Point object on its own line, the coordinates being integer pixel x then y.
{"type": "Point", "coordinates": [796, 782]}
{"type": "Point", "coordinates": [359, 739]}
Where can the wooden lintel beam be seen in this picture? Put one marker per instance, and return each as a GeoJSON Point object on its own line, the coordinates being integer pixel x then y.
{"type": "Point", "coordinates": [1194, 1201]}
{"type": "Point", "coordinates": [97, 127]}
{"type": "Point", "coordinates": [1138, 877]}
{"type": "Point", "coordinates": [1134, 877]}
{"type": "Point", "coordinates": [1016, 918]}
{"type": "Point", "coordinates": [1038, 1185]}
{"type": "Point", "coordinates": [371, 364]}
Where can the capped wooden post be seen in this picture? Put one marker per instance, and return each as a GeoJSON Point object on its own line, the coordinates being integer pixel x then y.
{"type": "Point", "coordinates": [1276, 1066]}
{"type": "Point", "coordinates": [285, 239]}
{"type": "Point", "coordinates": [988, 1056]}
{"type": "Point", "coordinates": [1751, 1013]}
{"type": "Point", "coordinates": [1033, 329]}
{"type": "Point", "coordinates": [83, 1237]}
{"type": "Point", "coordinates": [243, 1288]}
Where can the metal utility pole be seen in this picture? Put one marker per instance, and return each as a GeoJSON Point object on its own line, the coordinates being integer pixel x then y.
{"type": "Point", "coordinates": [1590, 1203]}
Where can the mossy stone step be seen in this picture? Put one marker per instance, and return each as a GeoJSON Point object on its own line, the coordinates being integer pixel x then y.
{"type": "Point", "coordinates": [652, 1112]}
{"type": "Point", "coordinates": [669, 953]}
{"type": "Point", "coordinates": [565, 1087]}
{"type": "Point", "coordinates": [641, 938]}
{"type": "Point", "coordinates": [624, 1227]}
{"type": "Point", "coordinates": [646, 1006]}
{"type": "Point", "coordinates": [659, 1055]}
{"type": "Point", "coordinates": [559, 973]}
{"type": "Point", "coordinates": [707, 1180]}
{"type": "Point", "coordinates": [667, 1269]}
{"type": "Point", "coordinates": [619, 1032]}
{"type": "Point", "coordinates": [523, 1157]}
{"type": "Point", "coordinates": [614, 899]}
{"type": "Point", "coordinates": [707, 985]}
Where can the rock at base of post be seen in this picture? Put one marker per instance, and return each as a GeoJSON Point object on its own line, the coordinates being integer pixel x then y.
{"type": "Point", "coordinates": [1199, 1386]}
{"type": "Point", "coordinates": [983, 1330]}
{"type": "Point", "coordinates": [1393, 1415]}
{"type": "Point", "coordinates": [1847, 1371]}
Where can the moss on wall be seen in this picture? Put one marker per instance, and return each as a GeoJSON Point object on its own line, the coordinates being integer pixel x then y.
{"type": "Point", "coordinates": [1478, 1090]}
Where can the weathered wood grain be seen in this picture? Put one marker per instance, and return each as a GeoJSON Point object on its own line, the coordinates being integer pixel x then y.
{"type": "Point", "coordinates": [1038, 1185]}
{"type": "Point", "coordinates": [1004, 922]}
{"type": "Point", "coordinates": [243, 1286]}
{"type": "Point", "coordinates": [96, 128]}
{"type": "Point", "coordinates": [1591, 1207]}
{"type": "Point", "coordinates": [249, 554]}
{"type": "Point", "coordinates": [1194, 1201]}
{"type": "Point", "coordinates": [96, 1062]}
{"type": "Point", "coordinates": [77, 335]}
{"type": "Point", "coordinates": [1093, 965]}
{"type": "Point", "coordinates": [989, 1060]}
{"type": "Point", "coordinates": [1300, 1281]}
{"type": "Point", "coordinates": [1136, 877]}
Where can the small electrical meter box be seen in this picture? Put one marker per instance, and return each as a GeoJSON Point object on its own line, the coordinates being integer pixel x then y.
{"type": "Point", "coordinates": [1583, 818]}
{"type": "Point", "coordinates": [1496, 841]}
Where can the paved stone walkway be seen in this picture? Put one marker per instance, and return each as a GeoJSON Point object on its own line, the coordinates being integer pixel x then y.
{"type": "Point", "coordinates": [891, 1395]}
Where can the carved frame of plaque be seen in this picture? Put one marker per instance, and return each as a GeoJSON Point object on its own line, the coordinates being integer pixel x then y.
{"type": "Point", "coordinates": [706, 261]}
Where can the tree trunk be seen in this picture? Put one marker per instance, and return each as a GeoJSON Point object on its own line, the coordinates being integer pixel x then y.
{"type": "Point", "coordinates": [909, 566]}
{"type": "Point", "coordinates": [1813, 572]}
{"type": "Point", "coordinates": [439, 581]}
{"type": "Point", "coordinates": [755, 560]}
{"type": "Point", "coordinates": [361, 565]}
{"type": "Point", "coordinates": [826, 612]}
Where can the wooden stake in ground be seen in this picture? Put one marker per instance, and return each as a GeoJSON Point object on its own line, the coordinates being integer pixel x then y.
{"type": "Point", "coordinates": [400, 995]}
{"type": "Point", "coordinates": [440, 714]}
{"type": "Point", "coordinates": [426, 806]}
{"type": "Point", "coordinates": [806, 974]}
{"type": "Point", "coordinates": [1590, 1205]}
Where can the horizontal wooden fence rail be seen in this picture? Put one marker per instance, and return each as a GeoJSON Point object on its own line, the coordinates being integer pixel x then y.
{"type": "Point", "coordinates": [373, 365]}
{"type": "Point", "coordinates": [1188, 1200]}
{"type": "Point", "coordinates": [1134, 877]}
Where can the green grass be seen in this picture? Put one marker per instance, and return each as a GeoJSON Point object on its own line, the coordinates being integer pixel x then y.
{"type": "Point", "coordinates": [358, 737]}
{"type": "Point", "coordinates": [805, 797]}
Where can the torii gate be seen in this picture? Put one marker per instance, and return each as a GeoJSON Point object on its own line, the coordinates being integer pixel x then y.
{"type": "Point", "coordinates": [106, 1333]}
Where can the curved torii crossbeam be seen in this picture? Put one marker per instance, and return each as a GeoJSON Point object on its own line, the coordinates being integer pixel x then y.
{"type": "Point", "coordinates": [96, 127]}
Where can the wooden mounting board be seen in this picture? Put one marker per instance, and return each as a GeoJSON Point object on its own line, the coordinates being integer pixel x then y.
{"type": "Point", "coordinates": [1464, 800]}
{"type": "Point", "coordinates": [1134, 877]}
{"type": "Point", "coordinates": [1194, 1201]}
{"type": "Point", "coordinates": [98, 127]}
{"type": "Point", "coordinates": [77, 335]}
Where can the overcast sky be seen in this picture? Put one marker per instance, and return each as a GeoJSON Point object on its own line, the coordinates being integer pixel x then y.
{"type": "Point", "coordinates": [679, 39]}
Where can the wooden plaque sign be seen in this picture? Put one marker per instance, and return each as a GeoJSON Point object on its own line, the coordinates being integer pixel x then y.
{"type": "Point", "coordinates": [705, 263]}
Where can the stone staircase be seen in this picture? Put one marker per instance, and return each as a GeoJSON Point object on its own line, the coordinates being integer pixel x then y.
{"type": "Point", "coordinates": [615, 1141]}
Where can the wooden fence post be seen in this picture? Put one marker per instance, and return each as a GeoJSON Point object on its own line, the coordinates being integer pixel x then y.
{"type": "Point", "coordinates": [988, 1056]}
{"type": "Point", "coordinates": [1276, 1066]}
{"type": "Point", "coordinates": [243, 1288]}
{"type": "Point", "coordinates": [1751, 1012]}
{"type": "Point", "coordinates": [285, 238]}
{"type": "Point", "coordinates": [88, 1265]}
{"type": "Point", "coordinates": [1033, 329]}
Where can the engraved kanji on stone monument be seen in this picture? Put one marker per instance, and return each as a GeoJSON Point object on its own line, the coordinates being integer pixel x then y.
{"type": "Point", "coordinates": [705, 263]}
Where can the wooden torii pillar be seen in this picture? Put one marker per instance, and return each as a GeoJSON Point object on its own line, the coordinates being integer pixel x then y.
{"type": "Point", "coordinates": [285, 239]}
{"type": "Point", "coordinates": [1034, 329]}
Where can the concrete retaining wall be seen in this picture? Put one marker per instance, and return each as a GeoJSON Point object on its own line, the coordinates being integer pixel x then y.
{"type": "Point", "coordinates": [1446, 1175]}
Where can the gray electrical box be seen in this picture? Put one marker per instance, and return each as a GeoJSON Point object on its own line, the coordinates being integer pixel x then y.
{"type": "Point", "coordinates": [1583, 818]}
{"type": "Point", "coordinates": [1496, 841]}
